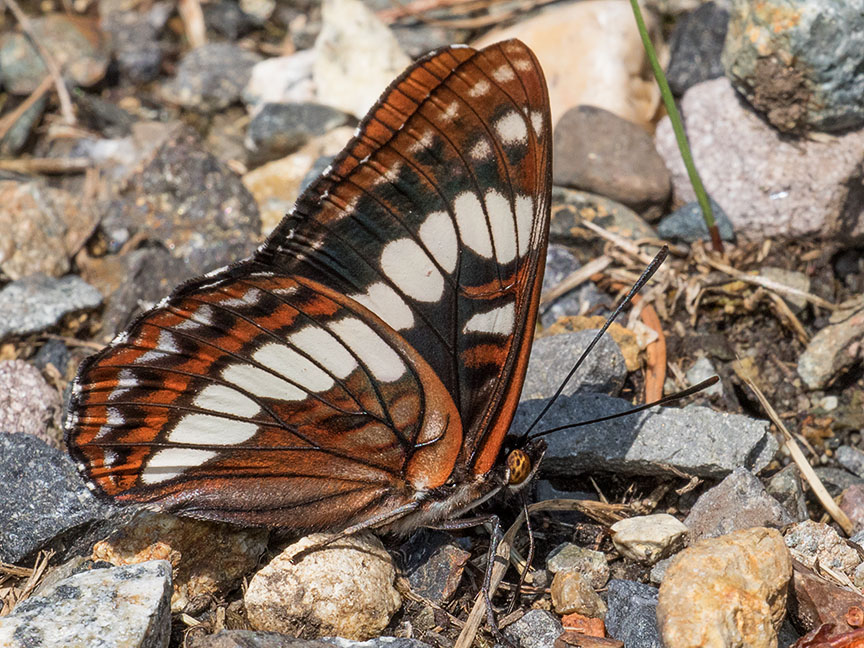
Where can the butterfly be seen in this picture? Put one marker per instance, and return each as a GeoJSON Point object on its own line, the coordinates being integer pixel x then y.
{"type": "Point", "coordinates": [363, 367]}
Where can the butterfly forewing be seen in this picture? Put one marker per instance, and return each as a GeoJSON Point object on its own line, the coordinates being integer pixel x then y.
{"type": "Point", "coordinates": [436, 218]}
{"type": "Point", "coordinates": [374, 348]}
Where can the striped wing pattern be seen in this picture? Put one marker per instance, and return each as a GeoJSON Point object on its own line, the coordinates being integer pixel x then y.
{"type": "Point", "coordinates": [374, 348]}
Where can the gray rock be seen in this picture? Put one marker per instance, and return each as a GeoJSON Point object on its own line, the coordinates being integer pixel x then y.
{"type": "Point", "coordinates": [36, 303]}
{"type": "Point", "coordinates": [804, 70]}
{"type": "Point", "coordinates": [16, 137]}
{"type": "Point", "coordinates": [128, 606]}
{"type": "Point", "coordinates": [695, 47]}
{"type": "Point", "coordinates": [597, 151]}
{"type": "Point", "coordinates": [211, 77]}
{"type": "Point", "coordinates": [537, 629]}
{"type": "Point", "coordinates": [632, 614]}
{"type": "Point", "coordinates": [42, 496]}
{"type": "Point", "coordinates": [570, 208]}
{"type": "Point", "coordinates": [786, 488]}
{"type": "Point", "coordinates": [738, 502]}
{"type": "Point", "coordinates": [134, 36]}
{"type": "Point", "coordinates": [703, 369]}
{"type": "Point", "coordinates": [787, 635]}
{"type": "Point", "coordinates": [687, 223]}
{"type": "Point", "coordinates": [278, 130]}
{"type": "Point", "coordinates": [806, 188]}
{"type": "Point", "coordinates": [660, 441]}
{"type": "Point", "coordinates": [53, 352]}
{"type": "Point", "coordinates": [561, 263]}
{"type": "Point", "coordinates": [836, 480]}
{"type": "Point", "coordinates": [570, 557]}
{"type": "Point", "coordinates": [433, 564]}
{"type": "Point", "coordinates": [852, 459]}
{"type": "Point", "coordinates": [75, 43]}
{"type": "Point", "coordinates": [190, 202]}
{"type": "Point", "coordinates": [827, 353]}
{"type": "Point", "coordinates": [28, 405]}
{"type": "Point", "coordinates": [658, 571]}
{"type": "Point", "coordinates": [318, 167]}
{"type": "Point", "coordinates": [228, 19]}
{"type": "Point", "coordinates": [553, 356]}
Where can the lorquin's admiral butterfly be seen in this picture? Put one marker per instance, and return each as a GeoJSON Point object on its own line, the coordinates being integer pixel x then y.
{"type": "Point", "coordinates": [363, 367]}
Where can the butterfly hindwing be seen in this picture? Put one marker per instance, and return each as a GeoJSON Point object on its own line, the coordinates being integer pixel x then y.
{"type": "Point", "coordinates": [374, 348]}
{"type": "Point", "coordinates": [257, 397]}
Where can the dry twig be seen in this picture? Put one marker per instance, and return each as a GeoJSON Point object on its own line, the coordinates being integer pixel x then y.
{"type": "Point", "coordinates": [46, 165]}
{"type": "Point", "coordinates": [193, 22]}
{"type": "Point", "coordinates": [9, 120]}
{"type": "Point", "coordinates": [53, 69]}
{"type": "Point", "coordinates": [797, 455]}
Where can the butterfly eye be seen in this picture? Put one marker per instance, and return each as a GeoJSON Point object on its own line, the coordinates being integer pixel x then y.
{"type": "Point", "coordinates": [519, 465]}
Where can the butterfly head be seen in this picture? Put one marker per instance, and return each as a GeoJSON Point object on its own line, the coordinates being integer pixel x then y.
{"type": "Point", "coordinates": [522, 463]}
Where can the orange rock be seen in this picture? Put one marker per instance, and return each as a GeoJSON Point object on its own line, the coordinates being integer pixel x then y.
{"type": "Point", "coordinates": [590, 626]}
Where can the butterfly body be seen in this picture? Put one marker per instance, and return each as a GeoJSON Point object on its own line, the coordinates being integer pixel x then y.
{"type": "Point", "coordinates": [363, 367]}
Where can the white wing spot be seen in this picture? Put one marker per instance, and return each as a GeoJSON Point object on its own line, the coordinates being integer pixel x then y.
{"type": "Point", "coordinates": [503, 228]}
{"type": "Point", "coordinates": [537, 122]}
{"type": "Point", "coordinates": [171, 462]}
{"type": "Point", "coordinates": [384, 363]}
{"type": "Point", "coordinates": [293, 366]}
{"type": "Point", "coordinates": [480, 88]}
{"type": "Point", "coordinates": [125, 381]}
{"type": "Point", "coordinates": [511, 128]}
{"type": "Point", "coordinates": [439, 237]}
{"type": "Point", "coordinates": [387, 304]}
{"type": "Point", "coordinates": [481, 150]}
{"type": "Point", "coordinates": [320, 344]}
{"type": "Point", "coordinates": [165, 345]}
{"type": "Point", "coordinates": [220, 398]}
{"type": "Point", "coordinates": [408, 266]}
{"type": "Point", "coordinates": [498, 321]}
{"type": "Point", "coordinates": [207, 429]}
{"type": "Point", "coordinates": [523, 64]}
{"type": "Point", "coordinates": [504, 74]}
{"type": "Point", "coordinates": [201, 316]}
{"type": "Point", "coordinates": [424, 142]}
{"type": "Point", "coordinates": [472, 224]}
{"type": "Point", "coordinates": [262, 383]}
{"type": "Point", "coordinates": [451, 112]}
{"type": "Point", "coordinates": [524, 221]}
{"type": "Point", "coordinates": [248, 298]}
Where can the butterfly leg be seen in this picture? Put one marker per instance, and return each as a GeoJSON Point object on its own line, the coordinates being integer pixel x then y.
{"type": "Point", "coordinates": [382, 519]}
{"type": "Point", "coordinates": [496, 536]}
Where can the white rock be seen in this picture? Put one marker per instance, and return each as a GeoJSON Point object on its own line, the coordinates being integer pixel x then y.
{"type": "Point", "coordinates": [648, 538]}
{"type": "Point", "coordinates": [282, 79]}
{"type": "Point", "coordinates": [357, 56]}
{"type": "Point", "coordinates": [122, 606]}
{"type": "Point", "coordinates": [591, 54]}
{"type": "Point", "coordinates": [345, 589]}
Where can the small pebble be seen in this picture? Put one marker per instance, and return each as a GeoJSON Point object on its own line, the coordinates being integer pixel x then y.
{"type": "Point", "coordinates": [648, 538]}
{"type": "Point", "coordinates": [572, 592]}
{"type": "Point", "coordinates": [571, 557]}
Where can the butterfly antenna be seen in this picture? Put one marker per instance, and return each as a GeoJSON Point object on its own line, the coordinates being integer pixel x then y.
{"type": "Point", "coordinates": [640, 282]}
{"type": "Point", "coordinates": [662, 401]}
